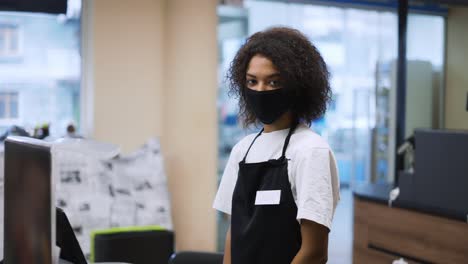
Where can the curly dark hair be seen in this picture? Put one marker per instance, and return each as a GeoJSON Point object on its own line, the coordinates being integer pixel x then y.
{"type": "Point", "coordinates": [301, 68]}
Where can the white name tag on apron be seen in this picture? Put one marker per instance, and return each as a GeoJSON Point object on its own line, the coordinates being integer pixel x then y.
{"type": "Point", "coordinates": [268, 197]}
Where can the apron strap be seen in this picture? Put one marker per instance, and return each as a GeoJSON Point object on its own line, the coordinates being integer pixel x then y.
{"type": "Point", "coordinates": [245, 156]}
{"type": "Point", "coordinates": [286, 141]}
{"type": "Point", "coordinates": [285, 146]}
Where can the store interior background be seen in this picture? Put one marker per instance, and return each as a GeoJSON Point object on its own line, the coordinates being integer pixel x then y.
{"type": "Point", "coordinates": [124, 72]}
{"type": "Point", "coordinates": [360, 46]}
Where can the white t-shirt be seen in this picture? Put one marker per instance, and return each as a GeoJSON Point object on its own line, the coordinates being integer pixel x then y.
{"type": "Point", "coordinates": [312, 170]}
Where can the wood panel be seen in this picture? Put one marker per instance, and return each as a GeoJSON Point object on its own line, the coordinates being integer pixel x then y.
{"type": "Point", "coordinates": [421, 236]}
{"type": "Point", "coordinates": [369, 256]}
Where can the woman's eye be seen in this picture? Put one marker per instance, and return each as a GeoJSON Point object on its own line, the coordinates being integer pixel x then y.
{"type": "Point", "coordinates": [251, 82]}
{"type": "Point", "coordinates": [274, 83]}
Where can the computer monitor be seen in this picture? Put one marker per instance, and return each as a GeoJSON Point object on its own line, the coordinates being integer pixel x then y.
{"type": "Point", "coordinates": [29, 214]}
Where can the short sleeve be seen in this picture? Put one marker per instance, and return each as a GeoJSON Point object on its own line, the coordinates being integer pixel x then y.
{"type": "Point", "coordinates": [317, 185]}
{"type": "Point", "coordinates": [223, 199]}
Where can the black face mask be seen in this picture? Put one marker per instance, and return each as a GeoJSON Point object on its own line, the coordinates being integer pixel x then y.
{"type": "Point", "coordinates": [268, 106]}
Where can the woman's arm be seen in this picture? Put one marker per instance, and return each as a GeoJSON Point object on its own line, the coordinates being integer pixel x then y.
{"type": "Point", "coordinates": [314, 248]}
{"type": "Point", "coordinates": [227, 248]}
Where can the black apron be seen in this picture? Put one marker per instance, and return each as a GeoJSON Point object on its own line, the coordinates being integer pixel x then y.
{"type": "Point", "coordinates": [264, 234]}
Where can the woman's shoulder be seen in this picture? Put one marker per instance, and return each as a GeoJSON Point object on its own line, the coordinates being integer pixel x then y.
{"type": "Point", "coordinates": [244, 143]}
{"type": "Point", "coordinates": [304, 138]}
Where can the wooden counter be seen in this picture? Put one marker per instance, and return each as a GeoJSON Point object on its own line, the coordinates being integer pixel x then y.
{"type": "Point", "coordinates": [383, 234]}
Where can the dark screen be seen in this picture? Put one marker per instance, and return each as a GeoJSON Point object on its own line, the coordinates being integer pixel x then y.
{"type": "Point", "coordinates": [27, 207]}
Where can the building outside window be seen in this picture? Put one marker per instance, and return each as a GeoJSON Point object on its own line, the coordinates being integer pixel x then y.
{"type": "Point", "coordinates": [40, 69]}
{"type": "Point", "coordinates": [8, 105]}
{"type": "Point", "coordinates": [9, 40]}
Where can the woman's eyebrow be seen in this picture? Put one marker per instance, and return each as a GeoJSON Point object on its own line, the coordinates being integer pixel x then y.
{"type": "Point", "coordinates": [276, 74]}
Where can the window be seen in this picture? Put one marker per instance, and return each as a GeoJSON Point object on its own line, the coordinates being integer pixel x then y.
{"type": "Point", "coordinates": [9, 40]}
{"type": "Point", "coordinates": [8, 105]}
{"type": "Point", "coordinates": [48, 74]}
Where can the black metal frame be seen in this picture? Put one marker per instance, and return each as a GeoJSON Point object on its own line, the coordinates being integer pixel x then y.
{"type": "Point", "coordinates": [42, 6]}
{"type": "Point", "coordinates": [401, 83]}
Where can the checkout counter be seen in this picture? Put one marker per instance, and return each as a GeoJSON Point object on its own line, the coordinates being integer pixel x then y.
{"type": "Point", "coordinates": [428, 221]}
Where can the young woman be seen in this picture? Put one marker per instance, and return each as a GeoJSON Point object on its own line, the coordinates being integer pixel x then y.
{"type": "Point", "coordinates": [280, 186]}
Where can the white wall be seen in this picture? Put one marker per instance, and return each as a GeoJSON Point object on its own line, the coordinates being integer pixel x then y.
{"type": "Point", "coordinates": [155, 64]}
{"type": "Point", "coordinates": [456, 116]}
{"type": "Point", "coordinates": [190, 125]}
{"type": "Point", "coordinates": [128, 71]}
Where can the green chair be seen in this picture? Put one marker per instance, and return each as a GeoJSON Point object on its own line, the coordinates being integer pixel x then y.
{"type": "Point", "coordinates": [136, 245]}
